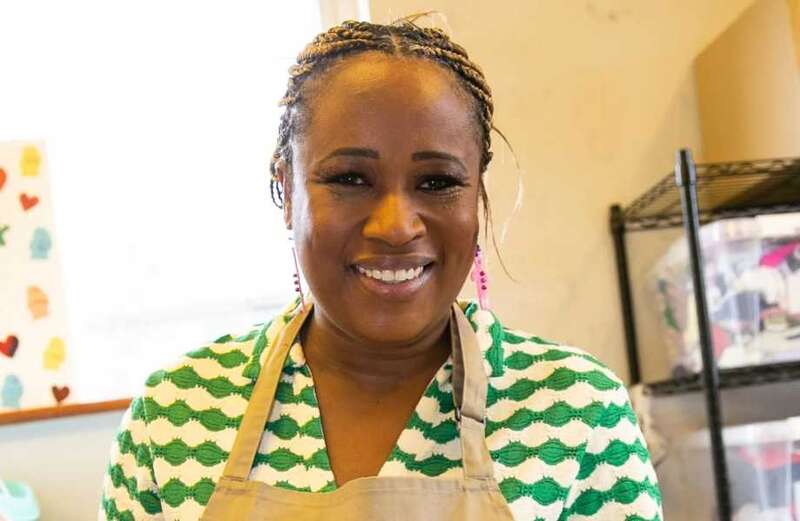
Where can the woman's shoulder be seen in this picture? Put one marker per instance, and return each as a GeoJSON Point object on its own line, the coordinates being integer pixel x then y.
{"type": "Point", "coordinates": [535, 381]}
{"type": "Point", "coordinates": [558, 415]}
{"type": "Point", "coordinates": [520, 354]}
{"type": "Point", "coordinates": [219, 357]}
{"type": "Point", "coordinates": [209, 384]}
{"type": "Point", "coordinates": [535, 355]}
{"type": "Point", "coordinates": [217, 375]}
{"type": "Point", "coordinates": [542, 389]}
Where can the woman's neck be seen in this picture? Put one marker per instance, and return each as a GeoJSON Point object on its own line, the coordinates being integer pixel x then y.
{"type": "Point", "coordinates": [369, 364]}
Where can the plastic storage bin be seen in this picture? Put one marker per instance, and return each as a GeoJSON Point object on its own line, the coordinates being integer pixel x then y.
{"type": "Point", "coordinates": [760, 463]}
{"type": "Point", "coordinates": [730, 248]}
{"type": "Point", "coordinates": [752, 275]}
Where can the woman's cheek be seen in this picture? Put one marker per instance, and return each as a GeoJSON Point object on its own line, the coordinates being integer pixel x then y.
{"type": "Point", "coordinates": [326, 238]}
{"type": "Point", "coordinates": [466, 235]}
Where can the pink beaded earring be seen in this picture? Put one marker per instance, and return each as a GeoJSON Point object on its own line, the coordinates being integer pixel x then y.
{"type": "Point", "coordinates": [481, 279]}
{"type": "Point", "coordinates": [296, 277]}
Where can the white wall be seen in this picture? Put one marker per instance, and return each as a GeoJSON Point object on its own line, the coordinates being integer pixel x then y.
{"type": "Point", "coordinates": [63, 460]}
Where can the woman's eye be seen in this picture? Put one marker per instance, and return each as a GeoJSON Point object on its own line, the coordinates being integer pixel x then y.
{"type": "Point", "coordinates": [347, 179]}
{"type": "Point", "coordinates": [438, 183]}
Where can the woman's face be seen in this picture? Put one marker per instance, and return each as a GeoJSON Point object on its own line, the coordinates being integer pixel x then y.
{"type": "Point", "coordinates": [383, 197]}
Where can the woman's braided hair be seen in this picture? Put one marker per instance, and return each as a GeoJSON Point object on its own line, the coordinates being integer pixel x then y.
{"type": "Point", "coordinates": [401, 38]}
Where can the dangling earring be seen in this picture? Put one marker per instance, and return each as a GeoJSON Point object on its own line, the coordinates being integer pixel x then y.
{"type": "Point", "coordinates": [296, 277]}
{"type": "Point", "coordinates": [481, 279]}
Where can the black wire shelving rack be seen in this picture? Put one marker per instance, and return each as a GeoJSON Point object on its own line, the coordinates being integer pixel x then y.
{"type": "Point", "coordinates": [692, 195]}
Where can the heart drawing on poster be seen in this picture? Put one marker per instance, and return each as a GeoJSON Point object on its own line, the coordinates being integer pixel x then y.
{"type": "Point", "coordinates": [9, 346]}
{"type": "Point", "coordinates": [60, 393]}
{"type": "Point", "coordinates": [28, 201]}
{"type": "Point", "coordinates": [3, 178]}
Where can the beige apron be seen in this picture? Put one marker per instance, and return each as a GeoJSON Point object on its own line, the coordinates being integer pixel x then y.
{"type": "Point", "coordinates": [475, 496]}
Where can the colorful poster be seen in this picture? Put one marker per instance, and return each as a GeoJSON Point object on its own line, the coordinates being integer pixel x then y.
{"type": "Point", "coordinates": [34, 351]}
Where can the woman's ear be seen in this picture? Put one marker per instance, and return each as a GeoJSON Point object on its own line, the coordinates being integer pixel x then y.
{"type": "Point", "coordinates": [284, 178]}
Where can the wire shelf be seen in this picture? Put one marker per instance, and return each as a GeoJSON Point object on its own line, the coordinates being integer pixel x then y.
{"type": "Point", "coordinates": [724, 190]}
{"type": "Point", "coordinates": [730, 378]}
{"type": "Point", "coordinates": [706, 192]}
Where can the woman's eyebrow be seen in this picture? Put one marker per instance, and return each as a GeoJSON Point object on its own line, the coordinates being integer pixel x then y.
{"type": "Point", "coordinates": [353, 151]}
{"type": "Point", "coordinates": [435, 154]}
{"type": "Point", "coordinates": [422, 155]}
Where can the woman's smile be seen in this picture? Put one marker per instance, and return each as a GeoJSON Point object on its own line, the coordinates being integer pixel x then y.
{"type": "Point", "coordinates": [394, 277]}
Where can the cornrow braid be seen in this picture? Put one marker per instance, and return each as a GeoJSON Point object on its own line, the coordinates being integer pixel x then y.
{"type": "Point", "coordinates": [401, 38]}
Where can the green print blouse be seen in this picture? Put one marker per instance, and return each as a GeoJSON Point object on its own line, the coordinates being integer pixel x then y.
{"type": "Point", "coordinates": [565, 442]}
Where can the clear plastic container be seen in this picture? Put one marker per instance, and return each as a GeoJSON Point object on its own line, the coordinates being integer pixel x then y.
{"type": "Point", "coordinates": [759, 458]}
{"type": "Point", "coordinates": [731, 249]}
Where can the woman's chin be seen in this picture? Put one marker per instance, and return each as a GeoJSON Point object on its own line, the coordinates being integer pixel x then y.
{"type": "Point", "coordinates": [399, 333]}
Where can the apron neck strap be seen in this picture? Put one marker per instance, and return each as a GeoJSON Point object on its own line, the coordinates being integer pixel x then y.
{"type": "Point", "coordinates": [470, 386]}
{"type": "Point", "coordinates": [469, 379]}
{"type": "Point", "coordinates": [251, 429]}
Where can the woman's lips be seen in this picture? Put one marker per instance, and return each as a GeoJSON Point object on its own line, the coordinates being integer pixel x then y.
{"type": "Point", "coordinates": [394, 290]}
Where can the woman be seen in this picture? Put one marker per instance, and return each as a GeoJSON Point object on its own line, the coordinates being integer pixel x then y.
{"type": "Point", "coordinates": [418, 407]}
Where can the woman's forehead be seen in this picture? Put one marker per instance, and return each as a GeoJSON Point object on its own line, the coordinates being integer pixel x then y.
{"type": "Point", "coordinates": [368, 71]}
{"type": "Point", "coordinates": [378, 97]}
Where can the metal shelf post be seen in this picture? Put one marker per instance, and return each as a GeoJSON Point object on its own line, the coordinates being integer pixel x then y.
{"type": "Point", "coordinates": [628, 319]}
{"type": "Point", "coordinates": [686, 179]}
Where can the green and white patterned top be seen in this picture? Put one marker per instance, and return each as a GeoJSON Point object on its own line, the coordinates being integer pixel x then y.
{"type": "Point", "coordinates": [565, 442]}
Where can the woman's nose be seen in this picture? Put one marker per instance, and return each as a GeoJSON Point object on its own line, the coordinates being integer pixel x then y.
{"type": "Point", "coordinates": [394, 220]}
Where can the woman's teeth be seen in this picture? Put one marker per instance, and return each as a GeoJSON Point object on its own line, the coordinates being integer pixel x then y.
{"type": "Point", "coordinates": [392, 276]}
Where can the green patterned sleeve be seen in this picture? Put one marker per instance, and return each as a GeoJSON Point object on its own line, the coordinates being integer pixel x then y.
{"type": "Point", "coordinates": [616, 480]}
{"type": "Point", "coordinates": [130, 491]}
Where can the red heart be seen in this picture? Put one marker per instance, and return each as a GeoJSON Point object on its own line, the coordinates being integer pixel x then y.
{"type": "Point", "coordinates": [27, 201]}
{"type": "Point", "coordinates": [60, 393]}
{"type": "Point", "coordinates": [2, 178]}
{"type": "Point", "coordinates": [9, 346]}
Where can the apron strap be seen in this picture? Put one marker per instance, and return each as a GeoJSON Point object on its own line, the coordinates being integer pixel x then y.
{"type": "Point", "coordinates": [470, 386]}
{"type": "Point", "coordinates": [248, 438]}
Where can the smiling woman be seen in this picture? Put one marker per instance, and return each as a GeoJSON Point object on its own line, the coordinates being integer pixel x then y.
{"type": "Point", "coordinates": [377, 395]}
